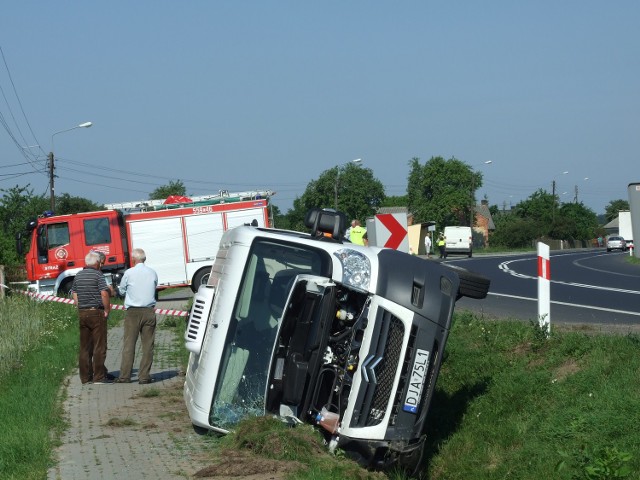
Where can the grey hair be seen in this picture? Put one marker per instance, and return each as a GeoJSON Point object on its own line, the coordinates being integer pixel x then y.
{"type": "Point", "coordinates": [138, 254]}
{"type": "Point", "coordinates": [92, 258]}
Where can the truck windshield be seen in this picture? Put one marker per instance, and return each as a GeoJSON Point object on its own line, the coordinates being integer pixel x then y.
{"type": "Point", "coordinates": [268, 277]}
{"type": "Point", "coordinates": [58, 234]}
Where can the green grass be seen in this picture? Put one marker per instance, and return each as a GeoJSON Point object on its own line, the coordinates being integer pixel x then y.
{"type": "Point", "coordinates": [40, 341]}
{"type": "Point", "coordinates": [508, 404]}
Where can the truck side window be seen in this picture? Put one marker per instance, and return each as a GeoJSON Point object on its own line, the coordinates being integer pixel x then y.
{"type": "Point", "coordinates": [96, 231]}
{"type": "Point", "coordinates": [58, 234]}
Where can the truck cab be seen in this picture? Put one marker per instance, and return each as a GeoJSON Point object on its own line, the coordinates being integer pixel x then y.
{"type": "Point", "coordinates": [58, 246]}
{"type": "Point", "coordinates": [303, 326]}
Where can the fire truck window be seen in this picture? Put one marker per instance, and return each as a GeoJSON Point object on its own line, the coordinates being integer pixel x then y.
{"type": "Point", "coordinates": [58, 234]}
{"type": "Point", "coordinates": [96, 231]}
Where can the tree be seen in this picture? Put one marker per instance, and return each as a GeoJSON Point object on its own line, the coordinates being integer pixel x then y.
{"type": "Point", "coordinates": [66, 204]}
{"type": "Point", "coordinates": [579, 222]}
{"type": "Point", "coordinates": [614, 206]}
{"type": "Point", "coordinates": [359, 194]}
{"type": "Point", "coordinates": [538, 210]}
{"type": "Point", "coordinates": [172, 188]}
{"type": "Point", "coordinates": [442, 190]}
{"type": "Point", "coordinates": [513, 232]}
{"type": "Point", "coordinates": [395, 201]}
{"type": "Point", "coordinates": [17, 206]}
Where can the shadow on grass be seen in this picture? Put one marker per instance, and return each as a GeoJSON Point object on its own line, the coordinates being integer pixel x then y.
{"type": "Point", "coordinates": [445, 416]}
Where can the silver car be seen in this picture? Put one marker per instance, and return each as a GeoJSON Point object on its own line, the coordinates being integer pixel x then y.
{"type": "Point", "coordinates": [616, 243]}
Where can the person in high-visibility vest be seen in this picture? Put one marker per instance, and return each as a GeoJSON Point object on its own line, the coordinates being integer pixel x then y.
{"type": "Point", "coordinates": [356, 234]}
{"type": "Point", "coordinates": [441, 245]}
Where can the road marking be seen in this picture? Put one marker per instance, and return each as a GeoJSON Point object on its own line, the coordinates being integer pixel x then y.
{"type": "Point", "coordinates": [504, 266]}
{"type": "Point", "coordinates": [579, 264]}
{"type": "Point", "coordinates": [566, 304]}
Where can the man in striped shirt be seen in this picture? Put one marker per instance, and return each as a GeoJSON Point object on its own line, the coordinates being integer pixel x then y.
{"type": "Point", "coordinates": [91, 295]}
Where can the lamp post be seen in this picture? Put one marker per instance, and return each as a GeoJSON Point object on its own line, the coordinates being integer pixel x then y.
{"type": "Point", "coordinates": [51, 163]}
{"type": "Point", "coordinates": [473, 193]}
{"type": "Point", "coordinates": [357, 161]}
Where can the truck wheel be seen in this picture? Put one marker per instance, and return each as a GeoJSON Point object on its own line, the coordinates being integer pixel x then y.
{"type": "Point", "coordinates": [472, 285]}
{"type": "Point", "coordinates": [200, 278]}
{"type": "Point", "coordinates": [65, 288]}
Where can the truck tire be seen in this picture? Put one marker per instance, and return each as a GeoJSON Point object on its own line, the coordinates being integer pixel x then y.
{"type": "Point", "coordinates": [200, 278]}
{"type": "Point", "coordinates": [472, 285]}
{"type": "Point", "coordinates": [65, 288]}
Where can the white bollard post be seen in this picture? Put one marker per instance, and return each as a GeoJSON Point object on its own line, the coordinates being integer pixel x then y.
{"type": "Point", "coordinates": [544, 289]}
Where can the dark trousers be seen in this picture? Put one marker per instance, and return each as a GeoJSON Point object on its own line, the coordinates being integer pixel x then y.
{"type": "Point", "coordinates": [93, 345]}
{"type": "Point", "coordinates": [138, 322]}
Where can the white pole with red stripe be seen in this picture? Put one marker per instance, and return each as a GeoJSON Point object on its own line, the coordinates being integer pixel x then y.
{"type": "Point", "coordinates": [544, 287]}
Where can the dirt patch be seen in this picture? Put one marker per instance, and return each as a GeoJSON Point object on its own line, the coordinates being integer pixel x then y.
{"type": "Point", "coordinates": [236, 464]}
{"type": "Point", "coordinates": [565, 370]}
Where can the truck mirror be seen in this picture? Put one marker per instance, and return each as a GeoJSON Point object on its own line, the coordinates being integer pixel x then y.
{"type": "Point", "coordinates": [31, 224]}
{"type": "Point", "coordinates": [19, 243]}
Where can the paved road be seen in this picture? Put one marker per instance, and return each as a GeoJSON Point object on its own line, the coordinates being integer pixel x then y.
{"type": "Point", "coordinates": [587, 287]}
{"type": "Point", "coordinates": [129, 430]}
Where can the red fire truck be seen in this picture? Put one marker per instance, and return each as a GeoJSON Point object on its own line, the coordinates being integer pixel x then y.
{"type": "Point", "coordinates": [179, 235]}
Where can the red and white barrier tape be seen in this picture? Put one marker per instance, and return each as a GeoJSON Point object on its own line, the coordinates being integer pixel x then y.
{"type": "Point", "coordinates": [69, 301]}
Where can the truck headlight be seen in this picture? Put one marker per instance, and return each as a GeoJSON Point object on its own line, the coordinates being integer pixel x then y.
{"type": "Point", "coordinates": [356, 268]}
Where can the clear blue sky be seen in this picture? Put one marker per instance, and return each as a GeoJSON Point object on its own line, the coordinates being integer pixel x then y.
{"type": "Point", "coordinates": [267, 95]}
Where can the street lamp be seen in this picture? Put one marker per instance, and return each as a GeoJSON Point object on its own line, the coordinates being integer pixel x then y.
{"type": "Point", "coordinates": [51, 163]}
{"type": "Point", "coordinates": [473, 193]}
{"type": "Point", "coordinates": [357, 161]}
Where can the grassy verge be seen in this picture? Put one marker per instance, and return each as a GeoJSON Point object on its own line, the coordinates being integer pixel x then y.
{"type": "Point", "coordinates": [30, 396]}
{"type": "Point", "coordinates": [512, 404]}
{"type": "Point", "coordinates": [509, 403]}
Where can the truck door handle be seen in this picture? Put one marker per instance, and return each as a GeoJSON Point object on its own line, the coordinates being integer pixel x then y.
{"type": "Point", "coordinates": [70, 264]}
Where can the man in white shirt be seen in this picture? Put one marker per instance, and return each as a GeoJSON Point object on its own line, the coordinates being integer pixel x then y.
{"type": "Point", "coordinates": [427, 244]}
{"type": "Point", "coordinates": [138, 285]}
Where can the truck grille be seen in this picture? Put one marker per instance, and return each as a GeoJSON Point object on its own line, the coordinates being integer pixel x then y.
{"type": "Point", "coordinates": [405, 373]}
{"type": "Point", "coordinates": [379, 369]}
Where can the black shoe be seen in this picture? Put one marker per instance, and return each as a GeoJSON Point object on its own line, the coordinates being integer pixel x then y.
{"type": "Point", "coordinates": [108, 376]}
{"type": "Point", "coordinates": [145, 381]}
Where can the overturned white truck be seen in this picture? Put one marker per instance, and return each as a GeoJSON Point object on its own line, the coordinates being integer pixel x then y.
{"type": "Point", "coordinates": [315, 330]}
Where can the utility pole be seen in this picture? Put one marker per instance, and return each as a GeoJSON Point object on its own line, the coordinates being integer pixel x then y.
{"type": "Point", "coordinates": [51, 166]}
{"type": "Point", "coordinates": [553, 199]}
{"type": "Point", "coordinates": [51, 182]}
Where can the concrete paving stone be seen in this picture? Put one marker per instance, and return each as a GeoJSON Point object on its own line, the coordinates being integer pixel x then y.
{"type": "Point", "coordinates": [93, 449]}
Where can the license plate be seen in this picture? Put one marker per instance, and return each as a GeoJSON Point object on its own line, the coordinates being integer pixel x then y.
{"type": "Point", "coordinates": [416, 383]}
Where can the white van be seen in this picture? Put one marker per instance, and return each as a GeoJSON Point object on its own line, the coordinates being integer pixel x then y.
{"type": "Point", "coordinates": [458, 240]}
{"type": "Point", "coordinates": [313, 330]}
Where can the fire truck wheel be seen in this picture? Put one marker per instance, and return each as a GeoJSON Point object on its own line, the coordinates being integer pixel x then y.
{"type": "Point", "coordinates": [200, 278]}
{"type": "Point", "coordinates": [65, 288]}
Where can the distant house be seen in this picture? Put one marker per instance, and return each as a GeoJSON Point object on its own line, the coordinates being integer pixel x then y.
{"type": "Point", "coordinates": [483, 221]}
{"type": "Point", "coordinates": [613, 227]}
